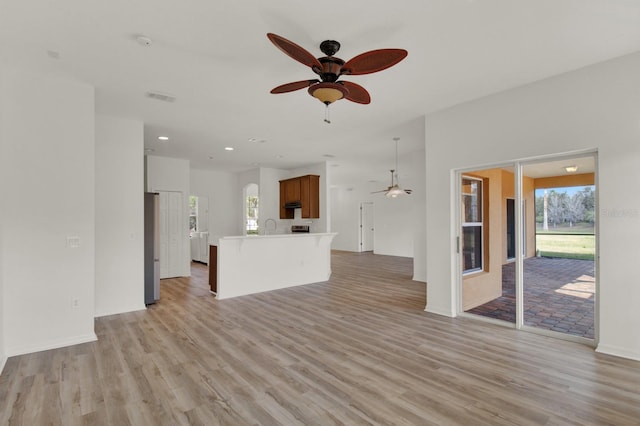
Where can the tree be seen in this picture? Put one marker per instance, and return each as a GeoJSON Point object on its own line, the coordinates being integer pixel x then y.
{"type": "Point", "coordinates": [556, 207]}
{"type": "Point", "coordinates": [589, 203]}
{"type": "Point", "coordinates": [575, 208]}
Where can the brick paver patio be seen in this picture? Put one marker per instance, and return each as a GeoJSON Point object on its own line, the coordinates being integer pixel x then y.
{"type": "Point", "coordinates": [559, 295]}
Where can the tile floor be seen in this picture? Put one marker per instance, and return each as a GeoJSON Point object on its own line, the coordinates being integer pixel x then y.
{"type": "Point", "coordinates": [559, 295]}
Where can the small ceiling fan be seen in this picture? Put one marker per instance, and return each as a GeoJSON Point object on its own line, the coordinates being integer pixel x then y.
{"type": "Point", "coordinates": [394, 189]}
{"type": "Point", "coordinates": [330, 68]}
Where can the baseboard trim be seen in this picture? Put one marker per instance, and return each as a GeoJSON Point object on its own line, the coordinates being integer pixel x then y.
{"type": "Point", "coordinates": [618, 351]}
{"type": "Point", "coordinates": [106, 313]}
{"type": "Point", "coordinates": [438, 310]}
{"type": "Point", "coordinates": [76, 340]}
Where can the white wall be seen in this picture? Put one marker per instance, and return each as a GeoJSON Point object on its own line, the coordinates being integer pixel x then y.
{"type": "Point", "coordinates": [221, 188]}
{"type": "Point", "coordinates": [594, 107]}
{"type": "Point", "coordinates": [48, 182]}
{"type": "Point", "coordinates": [396, 220]}
{"type": "Point", "coordinates": [173, 174]}
{"type": "Point", "coordinates": [119, 216]}
{"type": "Point", "coordinates": [270, 199]}
{"type": "Point", "coordinates": [3, 154]}
{"type": "Point", "coordinates": [399, 228]}
{"type": "Point", "coordinates": [345, 215]}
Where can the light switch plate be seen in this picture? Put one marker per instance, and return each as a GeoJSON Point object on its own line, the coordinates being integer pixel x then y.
{"type": "Point", "coordinates": [73, 241]}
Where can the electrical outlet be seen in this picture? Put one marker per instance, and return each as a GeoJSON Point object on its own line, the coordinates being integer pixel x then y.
{"type": "Point", "coordinates": [75, 303]}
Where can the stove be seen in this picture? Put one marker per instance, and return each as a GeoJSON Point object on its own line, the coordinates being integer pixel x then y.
{"type": "Point", "coordinates": [297, 229]}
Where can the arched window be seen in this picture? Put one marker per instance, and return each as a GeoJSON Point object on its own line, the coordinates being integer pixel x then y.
{"type": "Point", "coordinates": [251, 209]}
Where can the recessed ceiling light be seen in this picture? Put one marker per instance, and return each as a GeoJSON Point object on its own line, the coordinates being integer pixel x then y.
{"type": "Point", "coordinates": [279, 156]}
{"type": "Point", "coordinates": [149, 150]}
{"type": "Point", "coordinates": [228, 148]}
{"type": "Point", "coordinates": [328, 155]}
{"type": "Point", "coordinates": [163, 138]}
{"type": "Point", "coordinates": [571, 169]}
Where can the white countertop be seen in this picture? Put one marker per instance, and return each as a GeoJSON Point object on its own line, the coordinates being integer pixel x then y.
{"type": "Point", "coordinates": [294, 235]}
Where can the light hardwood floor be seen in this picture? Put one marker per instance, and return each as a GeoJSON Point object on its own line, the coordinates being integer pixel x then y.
{"type": "Point", "coordinates": [358, 349]}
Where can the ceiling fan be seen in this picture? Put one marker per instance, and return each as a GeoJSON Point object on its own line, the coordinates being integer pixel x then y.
{"type": "Point", "coordinates": [330, 68]}
{"type": "Point", "coordinates": [394, 189]}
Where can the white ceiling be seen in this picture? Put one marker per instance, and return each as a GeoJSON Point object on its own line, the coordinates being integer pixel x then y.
{"type": "Point", "coordinates": [215, 58]}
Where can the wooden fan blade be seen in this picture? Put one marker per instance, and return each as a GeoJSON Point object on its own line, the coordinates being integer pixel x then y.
{"type": "Point", "coordinates": [357, 93]}
{"type": "Point", "coordinates": [408, 191]}
{"type": "Point", "coordinates": [377, 192]}
{"type": "Point", "coordinates": [296, 85]}
{"type": "Point", "coordinates": [373, 61]}
{"type": "Point", "coordinates": [296, 52]}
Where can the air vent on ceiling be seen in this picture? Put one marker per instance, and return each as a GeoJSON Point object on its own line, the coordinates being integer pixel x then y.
{"type": "Point", "coordinates": [161, 97]}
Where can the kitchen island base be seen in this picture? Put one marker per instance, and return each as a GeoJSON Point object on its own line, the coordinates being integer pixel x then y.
{"type": "Point", "coordinates": [254, 264]}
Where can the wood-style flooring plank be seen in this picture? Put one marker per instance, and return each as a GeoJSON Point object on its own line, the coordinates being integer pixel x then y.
{"type": "Point", "coordinates": [355, 350]}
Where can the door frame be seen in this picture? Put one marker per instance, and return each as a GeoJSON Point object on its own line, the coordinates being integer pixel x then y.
{"type": "Point", "coordinates": [456, 251]}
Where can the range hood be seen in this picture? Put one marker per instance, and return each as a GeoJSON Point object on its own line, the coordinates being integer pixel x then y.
{"type": "Point", "coordinates": [293, 205]}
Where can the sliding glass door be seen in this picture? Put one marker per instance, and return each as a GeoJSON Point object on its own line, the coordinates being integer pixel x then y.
{"type": "Point", "coordinates": [526, 244]}
{"type": "Point", "coordinates": [487, 273]}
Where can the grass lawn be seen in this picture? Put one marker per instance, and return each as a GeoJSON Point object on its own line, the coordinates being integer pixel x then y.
{"type": "Point", "coordinates": [566, 246]}
{"type": "Point", "coordinates": [578, 228]}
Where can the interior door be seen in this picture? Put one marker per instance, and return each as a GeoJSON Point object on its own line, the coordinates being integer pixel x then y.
{"type": "Point", "coordinates": [164, 234]}
{"type": "Point", "coordinates": [175, 233]}
{"type": "Point", "coordinates": [366, 227]}
{"type": "Point", "coordinates": [170, 234]}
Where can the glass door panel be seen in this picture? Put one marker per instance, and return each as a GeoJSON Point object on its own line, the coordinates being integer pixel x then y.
{"type": "Point", "coordinates": [488, 276]}
{"type": "Point", "coordinates": [559, 262]}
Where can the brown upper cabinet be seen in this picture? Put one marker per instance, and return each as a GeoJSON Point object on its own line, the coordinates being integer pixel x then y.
{"type": "Point", "coordinates": [300, 192]}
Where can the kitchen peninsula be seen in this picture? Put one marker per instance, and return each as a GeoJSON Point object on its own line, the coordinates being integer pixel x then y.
{"type": "Point", "coordinates": [253, 264]}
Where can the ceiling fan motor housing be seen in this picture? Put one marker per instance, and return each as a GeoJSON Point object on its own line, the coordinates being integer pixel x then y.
{"type": "Point", "coordinates": [331, 68]}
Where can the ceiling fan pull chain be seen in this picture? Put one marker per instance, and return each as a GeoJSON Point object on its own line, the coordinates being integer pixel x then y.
{"type": "Point", "coordinates": [327, 118]}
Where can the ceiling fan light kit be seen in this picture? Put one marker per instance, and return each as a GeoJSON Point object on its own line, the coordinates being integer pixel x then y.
{"type": "Point", "coordinates": [394, 190]}
{"type": "Point", "coordinates": [328, 93]}
{"type": "Point", "coordinates": [330, 68]}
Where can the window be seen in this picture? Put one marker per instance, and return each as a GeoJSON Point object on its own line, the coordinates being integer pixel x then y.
{"type": "Point", "coordinates": [471, 224]}
{"type": "Point", "coordinates": [193, 214]}
{"type": "Point", "coordinates": [252, 215]}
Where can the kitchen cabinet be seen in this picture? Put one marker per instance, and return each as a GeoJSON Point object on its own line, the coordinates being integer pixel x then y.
{"type": "Point", "coordinates": [304, 190]}
{"type": "Point", "coordinates": [290, 190]}
{"type": "Point", "coordinates": [310, 196]}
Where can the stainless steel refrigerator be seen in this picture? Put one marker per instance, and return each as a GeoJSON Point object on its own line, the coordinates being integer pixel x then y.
{"type": "Point", "coordinates": [151, 247]}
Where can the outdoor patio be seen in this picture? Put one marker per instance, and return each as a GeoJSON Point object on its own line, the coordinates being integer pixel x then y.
{"type": "Point", "coordinates": [559, 295]}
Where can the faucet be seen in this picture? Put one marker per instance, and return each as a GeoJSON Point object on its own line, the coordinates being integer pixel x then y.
{"type": "Point", "coordinates": [266, 228]}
